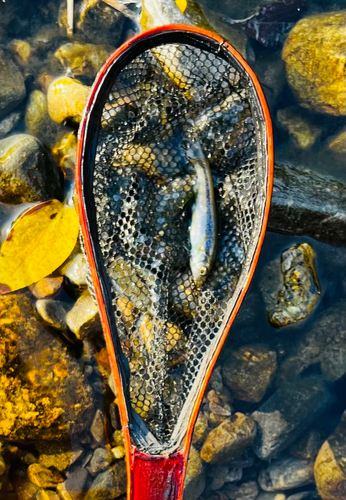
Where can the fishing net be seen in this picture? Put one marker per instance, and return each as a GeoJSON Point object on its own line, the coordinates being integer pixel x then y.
{"type": "Point", "coordinates": [139, 192]}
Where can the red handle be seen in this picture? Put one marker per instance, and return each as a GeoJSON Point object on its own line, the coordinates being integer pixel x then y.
{"type": "Point", "coordinates": [156, 477]}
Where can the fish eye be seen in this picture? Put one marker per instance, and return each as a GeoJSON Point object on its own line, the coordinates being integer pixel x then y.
{"type": "Point", "coordinates": [203, 271]}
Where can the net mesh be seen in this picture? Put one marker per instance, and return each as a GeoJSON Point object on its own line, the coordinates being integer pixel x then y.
{"type": "Point", "coordinates": [145, 189]}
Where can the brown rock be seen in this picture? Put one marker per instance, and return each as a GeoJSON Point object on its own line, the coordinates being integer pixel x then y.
{"type": "Point", "coordinates": [46, 286]}
{"type": "Point", "coordinates": [83, 319]}
{"type": "Point", "coordinates": [194, 479]}
{"type": "Point", "coordinates": [42, 477]}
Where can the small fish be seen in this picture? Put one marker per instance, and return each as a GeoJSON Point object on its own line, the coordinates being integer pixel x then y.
{"type": "Point", "coordinates": [203, 227]}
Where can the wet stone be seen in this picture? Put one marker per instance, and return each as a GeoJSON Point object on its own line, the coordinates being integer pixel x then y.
{"type": "Point", "coordinates": [299, 126]}
{"type": "Point", "coordinates": [314, 54]}
{"type": "Point", "coordinates": [234, 474]}
{"type": "Point", "coordinates": [118, 452]}
{"type": "Point", "coordinates": [201, 428]}
{"type": "Point", "coordinates": [8, 124]}
{"type": "Point", "coordinates": [58, 454]}
{"type": "Point", "coordinates": [64, 151]}
{"type": "Point", "coordinates": [286, 473]}
{"type": "Point", "coordinates": [271, 496]}
{"type": "Point", "coordinates": [228, 441]}
{"type": "Point", "coordinates": [216, 476]}
{"type": "Point", "coordinates": [27, 174]}
{"type": "Point", "coordinates": [12, 86]}
{"type": "Point", "coordinates": [307, 447]}
{"type": "Point", "coordinates": [44, 393]}
{"type": "Point", "coordinates": [82, 58]}
{"type": "Point", "coordinates": [66, 98]}
{"type": "Point", "coordinates": [101, 459]}
{"type": "Point", "coordinates": [83, 319]}
{"type": "Point", "coordinates": [47, 495]}
{"type": "Point", "coordinates": [97, 427]}
{"type": "Point", "coordinates": [37, 120]}
{"type": "Point", "coordinates": [109, 484]}
{"type": "Point", "coordinates": [195, 478]}
{"type": "Point", "coordinates": [246, 491]}
{"type": "Point", "coordinates": [249, 371]}
{"type": "Point", "coordinates": [53, 312]}
{"type": "Point", "coordinates": [299, 291]}
{"type": "Point", "coordinates": [23, 487]}
{"type": "Point", "coordinates": [76, 270]}
{"type": "Point", "coordinates": [43, 477]}
{"type": "Point", "coordinates": [288, 413]}
{"type": "Point", "coordinates": [46, 286]}
{"type": "Point", "coordinates": [76, 484]}
{"type": "Point", "coordinates": [337, 144]}
{"type": "Point", "coordinates": [330, 465]}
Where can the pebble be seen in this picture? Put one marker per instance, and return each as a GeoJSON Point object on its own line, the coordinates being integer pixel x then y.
{"type": "Point", "coordinates": [246, 491]}
{"type": "Point", "coordinates": [330, 465]}
{"type": "Point", "coordinates": [64, 151]}
{"type": "Point", "coordinates": [299, 291]}
{"type": "Point", "coordinates": [271, 496]}
{"type": "Point", "coordinates": [66, 98]}
{"type": "Point", "coordinates": [46, 286]}
{"type": "Point", "coordinates": [21, 51]}
{"type": "Point", "coordinates": [118, 452]}
{"type": "Point", "coordinates": [249, 371]}
{"type": "Point", "coordinates": [58, 454]}
{"type": "Point", "coordinates": [77, 484]}
{"type": "Point", "coordinates": [76, 270]}
{"type": "Point", "coordinates": [234, 474]}
{"type": "Point", "coordinates": [109, 484]}
{"type": "Point", "coordinates": [27, 174]}
{"type": "Point", "coordinates": [201, 428]}
{"type": "Point", "coordinates": [97, 427]}
{"type": "Point", "coordinates": [53, 312]}
{"type": "Point", "coordinates": [286, 473]}
{"type": "Point", "coordinates": [314, 54]}
{"type": "Point", "coordinates": [101, 459]}
{"type": "Point", "coordinates": [82, 58]}
{"type": "Point", "coordinates": [83, 319]}
{"type": "Point", "coordinates": [217, 476]}
{"type": "Point", "coordinates": [228, 441]}
{"type": "Point", "coordinates": [12, 86]}
{"type": "Point", "coordinates": [307, 447]}
{"type": "Point", "coordinates": [195, 477]}
{"type": "Point", "coordinates": [288, 413]}
{"type": "Point", "coordinates": [337, 144]}
{"type": "Point", "coordinates": [47, 495]}
{"type": "Point", "coordinates": [37, 120]}
{"type": "Point", "coordinates": [299, 126]}
{"type": "Point", "coordinates": [43, 477]}
{"type": "Point", "coordinates": [8, 124]}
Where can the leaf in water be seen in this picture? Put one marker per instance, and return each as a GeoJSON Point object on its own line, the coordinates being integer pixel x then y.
{"type": "Point", "coordinates": [39, 241]}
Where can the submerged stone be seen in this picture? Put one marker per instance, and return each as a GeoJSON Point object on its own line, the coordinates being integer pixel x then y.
{"type": "Point", "coordinates": [286, 473]}
{"type": "Point", "coordinates": [109, 484]}
{"type": "Point", "coordinates": [337, 144]}
{"type": "Point", "coordinates": [12, 86]}
{"type": "Point", "coordinates": [83, 319]}
{"type": "Point", "coordinates": [82, 58]}
{"type": "Point", "coordinates": [195, 478]}
{"type": "Point", "coordinates": [66, 98]}
{"type": "Point", "coordinates": [43, 477]}
{"type": "Point", "coordinates": [299, 291]}
{"type": "Point", "coordinates": [58, 454]}
{"type": "Point", "coordinates": [37, 120]}
{"type": "Point", "coordinates": [314, 54]}
{"type": "Point", "coordinates": [299, 126]}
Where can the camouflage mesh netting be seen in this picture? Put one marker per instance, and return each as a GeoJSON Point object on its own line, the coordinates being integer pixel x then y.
{"type": "Point", "coordinates": [144, 189]}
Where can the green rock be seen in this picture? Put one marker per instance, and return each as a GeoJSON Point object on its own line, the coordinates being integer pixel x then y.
{"type": "Point", "coordinates": [82, 58]}
{"type": "Point", "coordinates": [12, 87]}
{"type": "Point", "coordinates": [314, 54]}
{"type": "Point", "coordinates": [27, 174]}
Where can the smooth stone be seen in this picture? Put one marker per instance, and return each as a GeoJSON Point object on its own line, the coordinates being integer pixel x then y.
{"type": "Point", "coordinates": [64, 151]}
{"type": "Point", "coordinates": [299, 126]}
{"type": "Point", "coordinates": [12, 86]}
{"type": "Point", "coordinates": [330, 465]}
{"type": "Point", "coordinates": [249, 371]}
{"type": "Point", "coordinates": [216, 476]}
{"type": "Point", "coordinates": [37, 120]}
{"type": "Point", "coordinates": [201, 428]}
{"type": "Point", "coordinates": [308, 446]}
{"type": "Point", "coordinates": [43, 477]}
{"type": "Point", "coordinates": [23, 488]}
{"type": "Point", "coordinates": [299, 290]}
{"type": "Point", "coordinates": [307, 203]}
{"type": "Point", "coordinates": [195, 478]}
{"type": "Point", "coordinates": [66, 98]}
{"type": "Point", "coordinates": [322, 344]}
{"type": "Point", "coordinates": [21, 51]}
{"type": "Point", "coordinates": [53, 312]}
{"type": "Point", "coordinates": [76, 270]}
{"type": "Point", "coordinates": [82, 58]}
{"type": "Point", "coordinates": [109, 484]}
{"type": "Point", "coordinates": [47, 495]}
{"type": "Point", "coordinates": [337, 144]}
{"type": "Point", "coordinates": [118, 452]}
{"type": "Point", "coordinates": [27, 174]}
{"type": "Point", "coordinates": [288, 413]}
{"type": "Point", "coordinates": [271, 496]}
{"type": "Point", "coordinates": [97, 427]}
{"type": "Point", "coordinates": [234, 475]}
{"type": "Point", "coordinates": [46, 286]}
{"type": "Point", "coordinates": [58, 454]}
{"type": "Point", "coordinates": [314, 54]}
{"type": "Point", "coordinates": [246, 491]}
{"type": "Point", "coordinates": [45, 395]}
{"type": "Point", "coordinates": [83, 319]}
{"type": "Point", "coordinates": [228, 441]}
{"type": "Point", "coordinates": [8, 124]}
{"type": "Point", "coordinates": [101, 459]}
{"type": "Point", "coordinates": [77, 484]}
{"type": "Point", "coordinates": [286, 473]}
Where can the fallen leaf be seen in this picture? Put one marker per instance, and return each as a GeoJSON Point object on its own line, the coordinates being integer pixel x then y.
{"type": "Point", "coordinates": [39, 241]}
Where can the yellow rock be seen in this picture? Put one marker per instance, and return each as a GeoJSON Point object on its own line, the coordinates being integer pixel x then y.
{"type": "Point", "coordinates": [66, 99]}
{"type": "Point", "coordinates": [337, 144]}
{"type": "Point", "coordinates": [46, 286]}
{"type": "Point", "coordinates": [21, 50]}
{"type": "Point", "coordinates": [82, 58]}
{"type": "Point", "coordinates": [314, 54]}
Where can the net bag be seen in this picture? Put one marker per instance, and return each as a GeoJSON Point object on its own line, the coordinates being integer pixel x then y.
{"type": "Point", "coordinates": [174, 167]}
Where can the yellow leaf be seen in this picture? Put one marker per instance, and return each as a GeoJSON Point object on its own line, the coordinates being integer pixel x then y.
{"type": "Point", "coordinates": [181, 4]}
{"type": "Point", "coordinates": [39, 241]}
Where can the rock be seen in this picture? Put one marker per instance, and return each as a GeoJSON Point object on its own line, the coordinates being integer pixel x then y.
{"type": "Point", "coordinates": [76, 270]}
{"type": "Point", "coordinates": [307, 203]}
{"type": "Point", "coordinates": [299, 292]}
{"type": "Point", "coordinates": [42, 477]}
{"type": "Point", "coordinates": [286, 474]}
{"type": "Point", "coordinates": [46, 286]}
{"type": "Point", "coordinates": [234, 475]}
{"type": "Point", "coordinates": [109, 484]}
{"type": "Point", "coordinates": [330, 465]}
{"type": "Point", "coordinates": [271, 496]}
{"type": "Point", "coordinates": [323, 343]}
{"type": "Point", "coordinates": [216, 382]}
{"type": "Point", "coordinates": [246, 491]}
{"type": "Point", "coordinates": [337, 144]}
{"type": "Point", "coordinates": [249, 371]}
{"type": "Point", "coordinates": [64, 151]}
{"type": "Point", "coordinates": [12, 87]}
{"type": "Point", "coordinates": [76, 483]}
{"type": "Point", "coordinates": [270, 70]}
{"type": "Point", "coordinates": [83, 319]}
{"type": "Point", "coordinates": [46, 495]}
{"type": "Point", "coordinates": [21, 50]}
{"type": "Point", "coordinates": [101, 459]}
{"type": "Point", "coordinates": [44, 394]}
{"type": "Point", "coordinates": [58, 454]}
{"type": "Point", "coordinates": [195, 479]}
{"type": "Point", "coordinates": [82, 58]}
{"type": "Point", "coordinates": [2, 466]}
{"type": "Point", "coordinates": [9, 123]}
{"type": "Point", "coordinates": [201, 428]}
{"type": "Point", "coordinates": [97, 427]}
{"type": "Point", "coordinates": [37, 120]}
{"type": "Point", "coordinates": [66, 98]}
{"type": "Point", "coordinates": [228, 441]}
{"type": "Point", "coordinates": [23, 488]}
{"type": "Point", "coordinates": [288, 413]}
{"type": "Point", "coordinates": [217, 476]}
{"type": "Point", "coordinates": [307, 447]}
{"type": "Point", "coordinates": [27, 174]}
{"type": "Point", "coordinates": [118, 452]}
{"type": "Point", "coordinates": [53, 312]}
{"type": "Point", "coordinates": [314, 54]}
{"type": "Point", "coordinates": [299, 127]}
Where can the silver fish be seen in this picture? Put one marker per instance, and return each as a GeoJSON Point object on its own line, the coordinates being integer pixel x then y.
{"type": "Point", "coordinates": [203, 227]}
